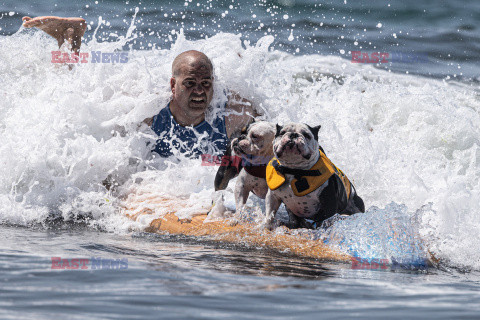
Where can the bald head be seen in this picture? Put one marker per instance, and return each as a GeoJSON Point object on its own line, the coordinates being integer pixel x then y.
{"type": "Point", "coordinates": [191, 59]}
{"type": "Point", "coordinates": [192, 87]}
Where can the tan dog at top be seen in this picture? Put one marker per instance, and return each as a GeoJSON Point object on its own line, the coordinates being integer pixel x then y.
{"type": "Point", "coordinates": [253, 150]}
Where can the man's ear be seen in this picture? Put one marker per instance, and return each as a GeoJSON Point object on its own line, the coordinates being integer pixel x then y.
{"type": "Point", "coordinates": [314, 130]}
{"type": "Point", "coordinates": [172, 84]}
{"type": "Point", "coordinates": [279, 128]}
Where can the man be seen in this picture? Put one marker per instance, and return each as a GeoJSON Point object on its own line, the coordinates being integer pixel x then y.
{"type": "Point", "coordinates": [181, 125]}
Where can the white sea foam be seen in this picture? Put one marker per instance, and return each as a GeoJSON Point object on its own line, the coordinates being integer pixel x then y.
{"type": "Point", "coordinates": [410, 144]}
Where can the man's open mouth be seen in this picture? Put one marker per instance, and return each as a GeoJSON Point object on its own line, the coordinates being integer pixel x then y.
{"type": "Point", "coordinates": [198, 100]}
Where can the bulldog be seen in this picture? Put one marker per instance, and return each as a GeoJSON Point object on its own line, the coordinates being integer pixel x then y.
{"type": "Point", "coordinates": [305, 180]}
{"type": "Point", "coordinates": [253, 150]}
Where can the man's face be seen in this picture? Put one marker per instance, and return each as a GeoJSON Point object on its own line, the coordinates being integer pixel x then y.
{"type": "Point", "coordinates": [192, 89]}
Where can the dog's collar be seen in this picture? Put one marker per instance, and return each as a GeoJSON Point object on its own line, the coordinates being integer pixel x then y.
{"type": "Point", "coordinates": [258, 171]}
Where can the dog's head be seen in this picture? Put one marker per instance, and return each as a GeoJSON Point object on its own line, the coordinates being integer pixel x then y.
{"type": "Point", "coordinates": [255, 143]}
{"type": "Point", "coordinates": [296, 145]}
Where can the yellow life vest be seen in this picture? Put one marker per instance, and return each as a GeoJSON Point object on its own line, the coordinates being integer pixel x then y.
{"type": "Point", "coordinates": [307, 183]}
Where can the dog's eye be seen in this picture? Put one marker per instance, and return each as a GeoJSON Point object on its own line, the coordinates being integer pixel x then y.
{"type": "Point", "coordinates": [282, 132]}
{"type": "Point", "coordinates": [306, 135]}
{"type": "Point", "coordinates": [254, 136]}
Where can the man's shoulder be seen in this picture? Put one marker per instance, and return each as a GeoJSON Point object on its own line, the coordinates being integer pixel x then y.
{"type": "Point", "coordinates": [165, 111]}
{"type": "Point", "coordinates": [161, 119]}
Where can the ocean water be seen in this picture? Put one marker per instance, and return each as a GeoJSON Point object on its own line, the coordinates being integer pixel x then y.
{"type": "Point", "coordinates": [406, 132]}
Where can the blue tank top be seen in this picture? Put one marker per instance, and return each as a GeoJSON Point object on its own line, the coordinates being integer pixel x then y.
{"type": "Point", "coordinates": [191, 141]}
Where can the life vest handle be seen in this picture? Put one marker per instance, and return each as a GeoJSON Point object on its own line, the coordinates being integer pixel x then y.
{"type": "Point", "coordinates": [297, 173]}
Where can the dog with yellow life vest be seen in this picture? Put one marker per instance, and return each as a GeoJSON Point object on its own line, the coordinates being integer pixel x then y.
{"type": "Point", "coordinates": [305, 180]}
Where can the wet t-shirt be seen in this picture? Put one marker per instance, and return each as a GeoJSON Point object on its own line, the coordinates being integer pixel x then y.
{"type": "Point", "coordinates": [204, 138]}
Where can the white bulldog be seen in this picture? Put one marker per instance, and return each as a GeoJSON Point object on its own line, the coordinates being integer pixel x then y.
{"type": "Point", "coordinates": [254, 149]}
{"type": "Point", "coordinates": [305, 180]}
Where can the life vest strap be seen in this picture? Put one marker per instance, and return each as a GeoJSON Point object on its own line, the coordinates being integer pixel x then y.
{"type": "Point", "coordinates": [297, 173]}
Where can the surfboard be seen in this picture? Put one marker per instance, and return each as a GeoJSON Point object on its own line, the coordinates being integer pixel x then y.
{"type": "Point", "coordinates": [244, 233]}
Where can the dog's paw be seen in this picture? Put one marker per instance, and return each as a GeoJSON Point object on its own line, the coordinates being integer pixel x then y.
{"type": "Point", "coordinates": [218, 211]}
{"type": "Point", "coordinates": [306, 224]}
{"type": "Point", "coordinates": [270, 225]}
{"type": "Point", "coordinates": [290, 224]}
{"type": "Point", "coordinates": [219, 217]}
{"type": "Point", "coordinates": [233, 221]}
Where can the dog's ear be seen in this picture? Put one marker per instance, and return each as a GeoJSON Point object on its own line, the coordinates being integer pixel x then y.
{"type": "Point", "coordinates": [245, 128]}
{"type": "Point", "coordinates": [279, 128]}
{"type": "Point", "coordinates": [244, 131]}
{"type": "Point", "coordinates": [314, 130]}
{"type": "Point", "coordinates": [230, 167]}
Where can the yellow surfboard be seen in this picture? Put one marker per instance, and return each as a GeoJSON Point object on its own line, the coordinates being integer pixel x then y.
{"type": "Point", "coordinates": [241, 234]}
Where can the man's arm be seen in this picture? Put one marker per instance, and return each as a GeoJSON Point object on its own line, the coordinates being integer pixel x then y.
{"type": "Point", "coordinates": [239, 113]}
{"type": "Point", "coordinates": [148, 121]}
{"type": "Point", "coordinates": [62, 29]}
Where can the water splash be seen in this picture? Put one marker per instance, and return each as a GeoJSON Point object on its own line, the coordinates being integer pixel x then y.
{"type": "Point", "coordinates": [390, 233]}
{"type": "Point", "coordinates": [405, 141]}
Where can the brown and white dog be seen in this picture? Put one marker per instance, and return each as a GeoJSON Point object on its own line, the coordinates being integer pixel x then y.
{"type": "Point", "coordinates": [254, 150]}
{"type": "Point", "coordinates": [305, 180]}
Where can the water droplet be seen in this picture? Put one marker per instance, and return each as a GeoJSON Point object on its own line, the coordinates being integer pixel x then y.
{"type": "Point", "coordinates": [290, 37]}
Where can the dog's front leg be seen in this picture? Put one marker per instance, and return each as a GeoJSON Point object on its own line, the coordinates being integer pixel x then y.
{"type": "Point", "coordinates": [272, 203]}
{"type": "Point", "coordinates": [241, 193]}
{"type": "Point", "coordinates": [241, 196]}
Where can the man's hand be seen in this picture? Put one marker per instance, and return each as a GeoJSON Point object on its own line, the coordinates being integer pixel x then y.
{"type": "Point", "coordinates": [239, 113]}
{"type": "Point", "coordinates": [69, 29]}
